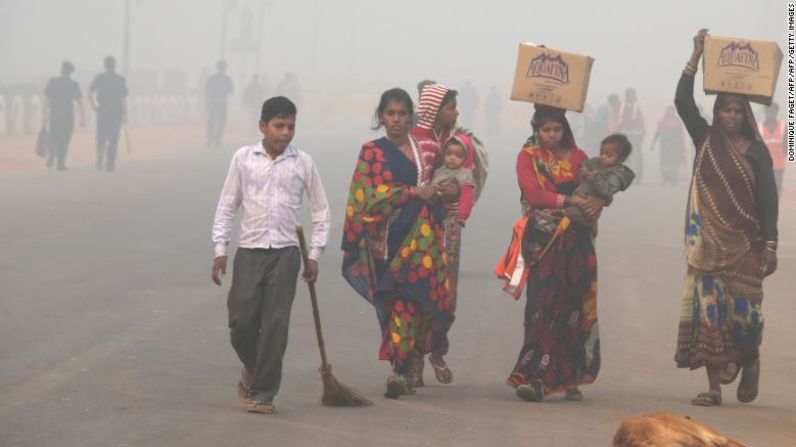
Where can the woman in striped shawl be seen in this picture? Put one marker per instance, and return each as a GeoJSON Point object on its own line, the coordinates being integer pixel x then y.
{"type": "Point", "coordinates": [436, 125]}
{"type": "Point", "coordinates": [731, 241]}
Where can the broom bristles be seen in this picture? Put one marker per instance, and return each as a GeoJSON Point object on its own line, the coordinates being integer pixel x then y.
{"type": "Point", "coordinates": [335, 394]}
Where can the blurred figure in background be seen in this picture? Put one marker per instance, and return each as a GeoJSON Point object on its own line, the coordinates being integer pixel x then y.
{"type": "Point", "coordinates": [469, 101]}
{"type": "Point", "coordinates": [254, 95]}
{"type": "Point", "coordinates": [672, 147]}
{"type": "Point", "coordinates": [218, 87]}
{"type": "Point", "coordinates": [592, 133]}
{"type": "Point", "coordinates": [289, 87]}
{"type": "Point", "coordinates": [422, 84]}
{"type": "Point", "coordinates": [774, 136]}
{"type": "Point", "coordinates": [492, 107]}
{"type": "Point", "coordinates": [110, 89]}
{"type": "Point", "coordinates": [631, 123]}
{"type": "Point", "coordinates": [606, 120]}
{"type": "Point", "coordinates": [577, 122]}
{"type": "Point", "coordinates": [613, 113]}
{"type": "Point", "coordinates": [58, 117]}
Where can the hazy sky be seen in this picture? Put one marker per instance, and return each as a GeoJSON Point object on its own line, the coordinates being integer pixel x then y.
{"type": "Point", "coordinates": [379, 44]}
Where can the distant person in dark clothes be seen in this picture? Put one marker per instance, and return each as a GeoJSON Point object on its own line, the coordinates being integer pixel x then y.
{"type": "Point", "coordinates": [671, 136]}
{"type": "Point", "coordinates": [631, 123]}
{"type": "Point", "coordinates": [422, 84]}
{"type": "Point", "coordinates": [592, 130]}
{"type": "Point", "coordinates": [110, 89]}
{"type": "Point", "coordinates": [60, 96]}
{"type": "Point", "coordinates": [289, 86]}
{"type": "Point", "coordinates": [613, 113]}
{"type": "Point", "coordinates": [218, 87]}
{"type": "Point", "coordinates": [606, 119]}
{"type": "Point", "coordinates": [254, 94]}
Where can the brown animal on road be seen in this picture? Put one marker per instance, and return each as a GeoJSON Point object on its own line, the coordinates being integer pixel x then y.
{"type": "Point", "coordinates": [670, 430]}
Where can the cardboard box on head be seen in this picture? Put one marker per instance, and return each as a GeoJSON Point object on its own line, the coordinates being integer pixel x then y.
{"type": "Point", "coordinates": [742, 66]}
{"type": "Point", "coordinates": [551, 77]}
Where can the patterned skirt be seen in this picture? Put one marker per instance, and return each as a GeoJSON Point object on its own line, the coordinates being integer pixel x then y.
{"type": "Point", "coordinates": [717, 324]}
{"type": "Point", "coordinates": [561, 347]}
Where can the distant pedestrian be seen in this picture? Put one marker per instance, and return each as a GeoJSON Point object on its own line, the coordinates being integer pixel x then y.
{"type": "Point", "coordinates": [218, 88]}
{"type": "Point", "coordinates": [110, 89]}
{"type": "Point", "coordinates": [773, 134]}
{"type": "Point", "coordinates": [61, 95]}
{"type": "Point", "coordinates": [631, 123]}
{"type": "Point", "coordinates": [422, 84]}
{"type": "Point", "coordinates": [469, 102]}
{"type": "Point", "coordinates": [254, 94]}
{"type": "Point", "coordinates": [492, 108]}
{"type": "Point", "coordinates": [289, 86]}
{"type": "Point", "coordinates": [671, 136]}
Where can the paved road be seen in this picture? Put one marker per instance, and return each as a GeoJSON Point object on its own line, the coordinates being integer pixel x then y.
{"type": "Point", "coordinates": [111, 333]}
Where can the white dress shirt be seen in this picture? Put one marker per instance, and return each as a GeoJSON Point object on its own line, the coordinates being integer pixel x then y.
{"type": "Point", "coordinates": [269, 193]}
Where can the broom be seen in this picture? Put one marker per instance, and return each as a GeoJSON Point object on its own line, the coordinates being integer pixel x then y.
{"type": "Point", "coordinates": [335, 394]}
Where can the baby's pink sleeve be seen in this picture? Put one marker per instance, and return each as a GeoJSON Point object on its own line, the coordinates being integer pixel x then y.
{"type": "Point", "coordinates": [466, 198]}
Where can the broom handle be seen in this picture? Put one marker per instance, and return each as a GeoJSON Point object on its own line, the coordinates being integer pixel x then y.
{"type": "Point", "coordinates": [315, 312]}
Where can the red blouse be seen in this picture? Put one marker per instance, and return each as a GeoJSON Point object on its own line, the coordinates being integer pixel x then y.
{"type": "Point", "coordinates": [538, 189]}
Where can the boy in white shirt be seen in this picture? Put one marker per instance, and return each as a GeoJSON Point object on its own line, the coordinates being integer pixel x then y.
{"type": "Point", "coordinates": [267, 182]}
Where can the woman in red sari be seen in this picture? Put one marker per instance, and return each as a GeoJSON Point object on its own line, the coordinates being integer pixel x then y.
{"type": "Point", "coordinates": [561, 348]}
{"type": "Point", "coordinates": [393, 252]}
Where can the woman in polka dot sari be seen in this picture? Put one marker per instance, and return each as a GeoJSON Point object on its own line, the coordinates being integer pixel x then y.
{"type": "Point", "coordinates": [393, 252]}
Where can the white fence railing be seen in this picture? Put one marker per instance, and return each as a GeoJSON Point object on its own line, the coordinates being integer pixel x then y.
{"type": "Point", "coordinates": [22, 116]}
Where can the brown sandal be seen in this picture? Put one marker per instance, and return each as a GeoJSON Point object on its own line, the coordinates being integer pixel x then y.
{"type": "Point", "coordinates": [261, 408]}
{"type": "Point", "coordinates": [441, 370]}
{"type": "Point", "coordinates": [707, 399]}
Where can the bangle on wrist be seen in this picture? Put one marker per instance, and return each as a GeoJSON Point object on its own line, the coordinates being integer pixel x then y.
{"type": "Point", "coordinates": [771, 245]}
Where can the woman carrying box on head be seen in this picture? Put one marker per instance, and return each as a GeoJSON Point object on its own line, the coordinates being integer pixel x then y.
{"type": "Point", "coordinates": [561, 348]}
{"type": "Point", "coordinates": [730, 239]}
